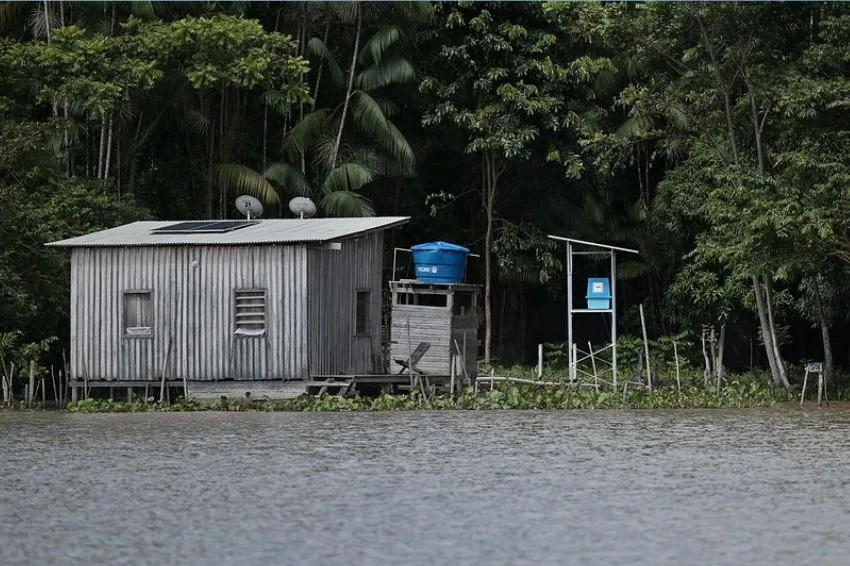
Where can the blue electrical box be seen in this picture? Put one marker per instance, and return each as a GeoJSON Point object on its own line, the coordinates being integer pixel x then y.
{"type": "Point", "coordinates": [598, 294]}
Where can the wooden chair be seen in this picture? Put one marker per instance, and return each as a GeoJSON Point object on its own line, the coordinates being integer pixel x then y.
{"type": "Point", "coordinates": [415, 356]}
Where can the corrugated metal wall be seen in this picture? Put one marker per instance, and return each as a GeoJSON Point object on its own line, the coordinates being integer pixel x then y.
{"type": "Point", "coordinates": [334, 277]}
{"type": "Point", "coordinates": [193, 317]}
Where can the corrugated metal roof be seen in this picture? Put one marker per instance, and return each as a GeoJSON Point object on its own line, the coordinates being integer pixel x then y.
{"type": "Point", "coordinates": [273, 231]}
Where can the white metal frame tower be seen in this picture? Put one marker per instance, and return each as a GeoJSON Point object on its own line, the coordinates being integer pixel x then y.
{"type": "Point", "coordinates": [602, 249]}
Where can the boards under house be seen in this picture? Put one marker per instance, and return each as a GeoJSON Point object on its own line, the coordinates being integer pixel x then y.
{"type": "Point", "coordinates": [205, 301]}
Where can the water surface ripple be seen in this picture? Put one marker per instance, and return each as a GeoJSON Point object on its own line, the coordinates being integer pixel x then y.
{"type": "Point", "coordinates": [426, 488]}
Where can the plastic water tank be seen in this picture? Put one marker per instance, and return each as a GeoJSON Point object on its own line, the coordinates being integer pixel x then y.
{"type": "Point", "coordinates": [439, 262]}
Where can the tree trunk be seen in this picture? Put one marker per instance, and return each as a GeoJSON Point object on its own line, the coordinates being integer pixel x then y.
{"type": "Point", "coordinates": [108, 161]}
{"type": "Point", "coordinates": [47, 20]}
{"type": "Point", "coordinates": [719, 372]}
{"type": "Point", "coordinates": [210, 151]}
{"type": "Point", "coordinates": [319, 70]}
{"type": "Point", "coordinates": [780, 365]}
{"type": "Point", "coordinates": [221, 119]}
{"type": "Point", "coordinates": [118, 161]}
{"type": "Point", "coordinates": [265, 135]}
{"type": "Point", "coordinates": [765, 331]}
{"type": "Point", "coordinates": [757, 129]}
{"type": "Point", "coordinates": [490, 185]}
{"type": "Point", "coordinates": [712, 348]}
{"type": "Point", "coordinates": [101, 153]}
{"type": "Point", "coordinates": [707, 373]}
{"type": "Point", "coordinates": [828, 361]}
{"type": "Point", "coordinates": [724, 90]}
{"type": "Point", "coordinates": [351, 73]}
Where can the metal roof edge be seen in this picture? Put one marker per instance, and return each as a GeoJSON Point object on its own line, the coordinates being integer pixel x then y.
{"type": "Point", "coordinates": [395, 222]}
{"type": "Point", "coordinates": [592, 244]}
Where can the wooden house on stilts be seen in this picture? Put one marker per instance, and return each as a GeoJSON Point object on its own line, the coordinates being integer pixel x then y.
{"type": "Point", "coordinates": [261, 303]}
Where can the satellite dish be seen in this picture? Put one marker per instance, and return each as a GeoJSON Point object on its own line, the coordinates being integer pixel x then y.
{"type": "Point", "coordinates": [302, 207]}
{"type": "Point", "coordinates": [249, 206]}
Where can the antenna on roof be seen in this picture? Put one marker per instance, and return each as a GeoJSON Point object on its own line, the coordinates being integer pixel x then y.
{"type": "Point", "coordinates": [302, 207]}
{"type": "Point", "coordinates": [249, 206]}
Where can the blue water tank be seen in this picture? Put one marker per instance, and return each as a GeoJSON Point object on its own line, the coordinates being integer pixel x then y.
{"type": "Point", "coordinates": [439, 262]}
{"type": "Point", "coordinates": [598, 294]}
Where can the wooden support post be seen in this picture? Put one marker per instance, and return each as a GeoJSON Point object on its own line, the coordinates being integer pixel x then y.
{"type": "Point", "coordinates": [676, 358]}
{"type": "Point", "coordinates": [74, 391]}
{"type": "Point", "coordinates": [129, 394]}
{"type": "Point", "coordinates": [574, 356]}
{"type": "Point", "coordinates": [55, 387]}
{"type": "Point", "coordinates": [31, 387]}
{"type": "Point", "coordinates": [540, 361]}
{"type": "Point", "coordinates": [43, 394]}
{"type": "Point", "coordinates": [646, 349]}
{"type": "Point", "coordinates": [820, 389]}
{"type": "Point", "coordinates": [452, 376]}
{"type": "Point", "coordinates": [803, 392]}
{"type": "Point", "coordinates": [409, 355]}
{"type": "Point", "coordinates": [593, 363]}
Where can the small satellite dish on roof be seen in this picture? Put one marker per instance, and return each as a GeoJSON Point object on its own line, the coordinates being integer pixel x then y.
{"type": "Point", "coordinates": [249, 206]}
{"type": "Point", "coordinates": [302, 207]}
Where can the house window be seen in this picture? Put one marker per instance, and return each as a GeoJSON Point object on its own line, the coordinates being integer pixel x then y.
{"type": "Point", "coordinates": [250, 312]}
{"type": "Point", "coordinates": [138, 314]}
{"type": "Point", "coordinates": [362, 318]}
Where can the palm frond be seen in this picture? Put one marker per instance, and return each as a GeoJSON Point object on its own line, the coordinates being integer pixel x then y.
{"type": "Point", "coordinates": [289, 178]}
{"type": "Point", "coordinates": [239, 179]}
{"type": "Point", "coordinates": [324, 152]}
{"type": "Point", "coordinates": [635, 126]}
{"type": "Point", "coordinates": [389, 107]}
{"type": "Point", "coordinates": [346, 203]}
{"type": "Point", "coordinates": [380, 164]}
{"type": "Point", "coordinates": [38, 23]}
{"type": "Point", "coordinates": [605, 83]}
{"type": "Point", "coordinates": [631, 270]}
{"type": "Point", "coordinates": [197, 122]}
{"type": "Point", "coordinates": [347, 177]}
{"type": "Point", "coordinates": [317, 47]}
{"type": "Point", "coordinates": [371, 120]}
{"type": "Point", "coordinates": [395, 70]}
{"type": "Point", "coordinates": [377, 45]}
{"type": "Point", "coordinates": [306, 133]}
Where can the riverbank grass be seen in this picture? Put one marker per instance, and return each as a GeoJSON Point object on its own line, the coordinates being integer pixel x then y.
{"type": "Point", "coordinates": [734, 394]}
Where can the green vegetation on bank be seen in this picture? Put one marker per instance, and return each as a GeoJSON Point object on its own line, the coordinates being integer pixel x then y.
{"type": "Point", "coordinates": [733, 395]}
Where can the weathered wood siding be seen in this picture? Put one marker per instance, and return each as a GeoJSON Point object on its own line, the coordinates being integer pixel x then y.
{"type": "Point", "coordinates": [440, 327]}
{"type": "Point", "coordinates": [427, 324]}
{"type": "Point", "coordinates": [334, 277]}
{"type": "Point", "coordinates": [193, 312]}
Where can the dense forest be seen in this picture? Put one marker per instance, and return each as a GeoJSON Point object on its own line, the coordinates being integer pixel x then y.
{"type": "Point", "coordinates": [712, 137]}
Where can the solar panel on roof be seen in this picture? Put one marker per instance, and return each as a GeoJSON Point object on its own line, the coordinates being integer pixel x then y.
{"type": "Point", "coordinates": [204, 227]}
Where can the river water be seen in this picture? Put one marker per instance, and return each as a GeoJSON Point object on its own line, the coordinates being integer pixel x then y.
{"type": "Point", "coordinates": [427, 488]}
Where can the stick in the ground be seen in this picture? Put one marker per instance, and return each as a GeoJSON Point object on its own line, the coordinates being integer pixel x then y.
{"type": "Point", "coordinates": [646, 349]}
{"type": "Point", "coordinates": [593, 364]}
{"type": "Point", "coordinates": [676, 358]}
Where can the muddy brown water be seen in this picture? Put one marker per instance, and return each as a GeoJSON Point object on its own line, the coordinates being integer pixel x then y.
{"type": "Point", "coordinates": [424, 488]}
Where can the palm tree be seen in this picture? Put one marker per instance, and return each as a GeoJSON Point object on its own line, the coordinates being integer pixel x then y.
{"type": "Point", "coordinates": [351, 140]}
